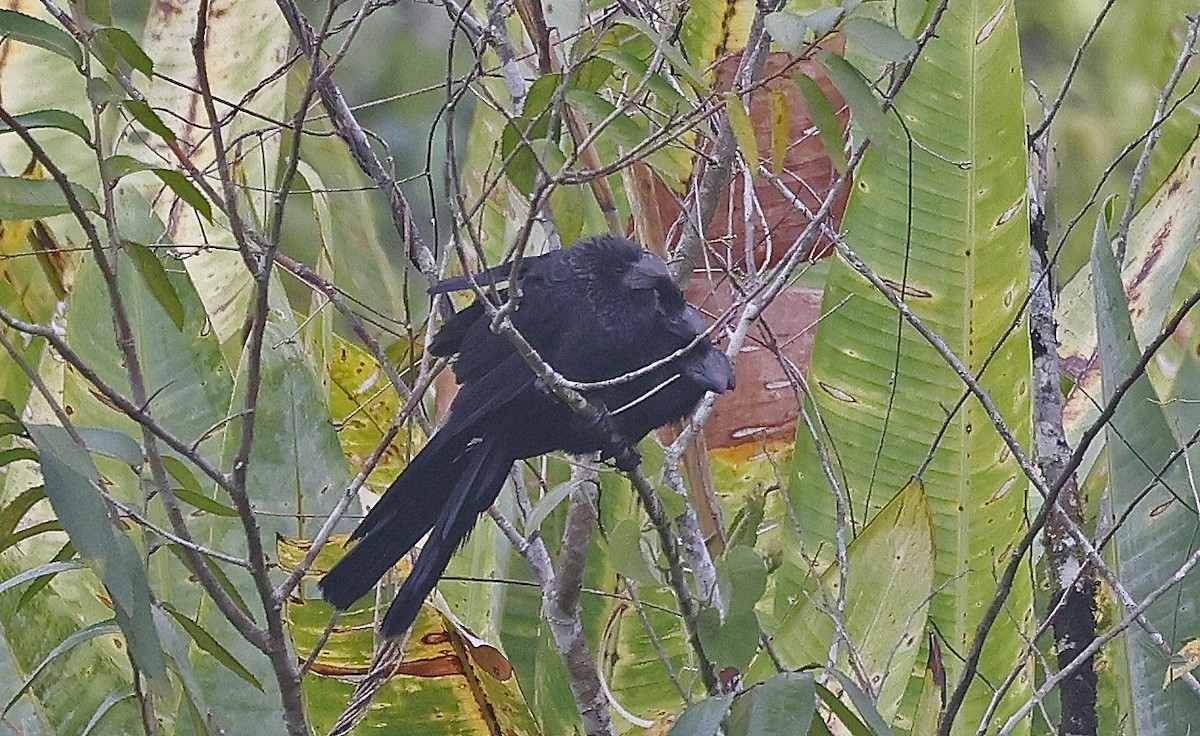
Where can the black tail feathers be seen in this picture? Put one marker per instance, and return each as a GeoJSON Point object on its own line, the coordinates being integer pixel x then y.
{"type": "Point", "coordinates": [447, 502]}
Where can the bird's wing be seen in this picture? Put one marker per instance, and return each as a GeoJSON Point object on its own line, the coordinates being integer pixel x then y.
{"type": "Point", "coordinates": [493, 275]}
{"type": "Point", "coordinates": [449, 339]}
{"type": "Point", "coordinates": [404, 514]}
{"type": "Point", "coordinates": [485, 466]}
{"type": "Point", "coordinates": [489, 392]}
{"type": "Point", "coordinates": [553, 266]}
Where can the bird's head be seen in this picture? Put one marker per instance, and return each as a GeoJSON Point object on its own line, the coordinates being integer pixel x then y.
{"type": "Point", "coordinates": [637, 269]}
{"type": "Point", "coordinates": [647, 272]}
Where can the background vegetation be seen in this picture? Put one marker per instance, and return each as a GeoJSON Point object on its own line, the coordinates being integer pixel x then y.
{"type": "Point", "coordinates": [951, 245]}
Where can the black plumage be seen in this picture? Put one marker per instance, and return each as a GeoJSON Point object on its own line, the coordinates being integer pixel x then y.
{"type": "Point", "coordinates": [601, 309]}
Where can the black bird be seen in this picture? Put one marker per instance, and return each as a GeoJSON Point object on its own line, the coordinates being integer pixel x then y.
{"type": "Point", "coordinates": [601, 309]}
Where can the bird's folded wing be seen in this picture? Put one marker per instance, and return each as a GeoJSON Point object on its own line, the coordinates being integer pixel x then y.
{"type": "Point", "coordinates": [488, 394]}
{"type": "Point", "coordinates": [543, 268]}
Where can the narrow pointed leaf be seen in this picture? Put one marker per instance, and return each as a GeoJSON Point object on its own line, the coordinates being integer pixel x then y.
{"type": "Point", "coordinates": [743, 129]}
{"type": "Point", "coordinates": [57, 119]}
{"type": "Point", "coordinates": [204, 503]}
{"type": "Point", "coordinates": [825, 117]}
{"type": "Point", "coordinates": [149, 119]}
{"type": "Point", "coordinates": [207, 643]}
{"type": "Point", "coordinates": [113, 698]}
{"type": "Point", "coordinates": [46, 570]}
{"type": "Point", "coordinates": [118, 42]}
{"type": "Point", "coordinates": [12, 514]}
{"type": "Point", "coordinates": [186, 190]}
{"type": "Point", "coordinates": [878, 39]}
{"type": "Point", "coordinates": [114, 444]}
{"type": "Point", "coordinates": [865, 111]}
{"type": "Point", "coordinates": [36, 199]}
{"type": "Point", "coordinates": [14, 454]}
{"type": "Point", "coordinates": [79, 637]}
{"type": "Point", "coordinates": [157, 282]}
{"type": "Point", "coordinates": [71, 480]}
{"type": "Point", "coordinates": [1161, 531]}
{"type": "Point", "coordinates": [33, 31]}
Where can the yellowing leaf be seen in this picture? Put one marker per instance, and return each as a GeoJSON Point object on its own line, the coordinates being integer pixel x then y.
{"type": "Point", "coordinates": [780, 127]}
{"type": "Point", "coordinates": [363, 403]}
{"type": "Point", "coordinates": [1184, 661]}
{"type": "Point", "coordinates": [743, 129]}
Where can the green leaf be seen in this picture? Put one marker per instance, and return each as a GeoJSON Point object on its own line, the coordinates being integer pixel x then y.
{"type": "Point", "coordinates": [65, 553]}
{"type": "Point", "coordinates": [945, 223]}
{"type": "Point", "coordinates": [57, 119]}
{"type": "Point", "coordinates": [8, 410]}
{"type": "Point", "coordinates": [866, 709]}
{"type": "Point", "coordinates": [545, 505]}
{"type": "Point", "coordinates": [47, 570]}
{"type": "Point", "coordinates": [36, 199]}
{"type": "Point", "coordinates": [113, 698]}
{"type": "Point", "coordinates": [743, 530]}
{"type": "Point", "coordinates": [678, 62]}
{"type": "Point", "coordinates": [114, 444]}
{"type": "Point", "coordinates": [1158, 530]}
{"type": "Point", "coordinates": [865, 110]}
{"type": "Point", "coordinates": [16, 509]}
{"type": "Point", "coordinates": [28, 533]}
{"type": "Point", "coordinates": [823, 20]}
{"type": "Point", "coordinates": [1162, 237]}
{"type": "Point", "coordinates": [100, 92]}
{"type": "Point", "coordinates": [177, 650]}
{"type": "Point", "coordinates": [636, 66]}
{"type": "Point", "coordinates": [568, 207]}
{"type": "Point", "coordinates": [703, 718]}
{"type": "Point", "coordinates": [226, 584]}
{"type": "Point", "coordinates": [592, 73]}
{"type": "Point", "coordinates": [784, 704]}
{"type": "Point", "coordinates": [204, 503]}
{"type": "Point", "coordinates": [625, 552]}
{"type": "Point", "coordinates": [208, 644]}
{"type": "Point", "coordinates": [71, 483]}
{"type": "Point", "coordinates": [1110, 211]}
{"type": "Point", "coordinates": [844, 714]}
{"type": "Point", "coordinates": [116, 42]}
{"type": "Point", "coordinates": [186, 191]}
{"type": "Point", "coordinates": [120, 165]}
{"type": "Point", "coordinates": [878, 39]}
{"type": "Point", "coordinates": [742, 578]}
{"type": "Point", "coordinates": [14, 454]}
{"type": "Point", "coordinates": [890, 577]}
{"type": "Point", "coordinates": [621, 128]}
{"type": "Point", "coordinates": [529, 161]}
{"type": "Point", "coordinates": [85, 634]}
{"type": "Point", "coordinates": [539, 101]}
{"type": "Point", "coordinates": [157, 282]}
{"type": "Point", "coordinates": [182, 473]}
{"type": "Point", "coordinates": [732, 642]}
{"type": "Point", "coordinates": [820, 109]}
{"type": "Point", "coordinates": [787, 30]}
{"type": "Point", "coordinates": [37, 32]}
{"type": "Point", "coordinates": [149, 119]}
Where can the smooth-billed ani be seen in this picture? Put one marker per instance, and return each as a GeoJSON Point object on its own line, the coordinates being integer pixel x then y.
{"type": "Point", "coordinates": [601, 309]}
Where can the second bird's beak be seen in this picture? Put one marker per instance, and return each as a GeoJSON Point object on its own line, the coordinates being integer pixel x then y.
{"type": "Point", "coordinates": [647, 272]}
